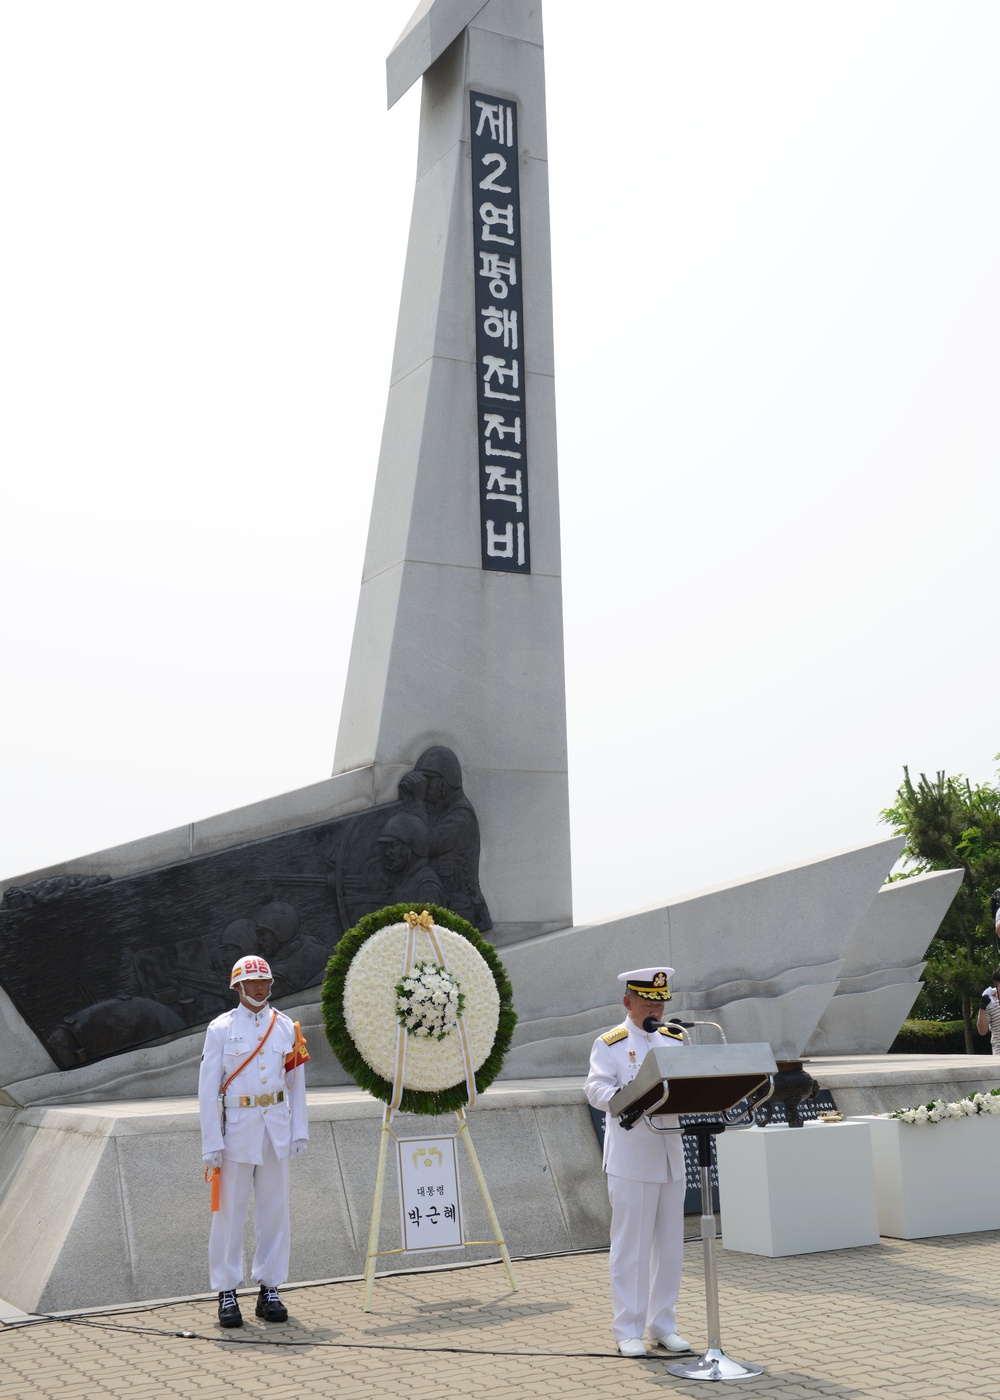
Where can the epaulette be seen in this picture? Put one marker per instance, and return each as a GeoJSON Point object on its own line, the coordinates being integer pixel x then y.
{"type": "Point", "coordinates": [610, 1037]}
{"type": "Point", "coordinates": [674, 1035]}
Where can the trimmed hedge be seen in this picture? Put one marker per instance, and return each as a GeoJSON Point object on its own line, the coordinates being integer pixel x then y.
{"type": "Point", "coordinates": [935, 1038]}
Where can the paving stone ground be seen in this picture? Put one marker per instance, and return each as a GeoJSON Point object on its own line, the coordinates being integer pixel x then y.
{"type": "Point", "coordinates": [902, 1318]}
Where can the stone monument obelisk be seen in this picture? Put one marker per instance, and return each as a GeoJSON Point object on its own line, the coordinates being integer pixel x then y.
{"type": "Point", "coordinates": [458, 638]}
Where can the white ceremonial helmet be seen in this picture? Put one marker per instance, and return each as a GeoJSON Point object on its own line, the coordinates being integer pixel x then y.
{"type": "Point", "coordinates": [250, 969]}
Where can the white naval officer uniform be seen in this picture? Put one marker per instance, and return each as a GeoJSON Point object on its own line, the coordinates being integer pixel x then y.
{"type": "Point", "coordinates": [646, 1187]}
{"type": "Point", "coordinates": [257, 1141]}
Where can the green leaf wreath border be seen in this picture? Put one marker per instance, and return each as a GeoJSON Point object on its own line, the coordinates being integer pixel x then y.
{"type": "Point", "coordinates": [426, 1101]}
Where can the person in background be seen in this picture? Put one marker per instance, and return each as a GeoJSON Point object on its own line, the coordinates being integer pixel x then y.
{"type": "Point", "coordinates": [988, 1020]}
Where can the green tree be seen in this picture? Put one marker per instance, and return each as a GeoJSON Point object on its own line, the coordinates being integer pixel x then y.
{"type": "Point", "coordinates": [949, 824]}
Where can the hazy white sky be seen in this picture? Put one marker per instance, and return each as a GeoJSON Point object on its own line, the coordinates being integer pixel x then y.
{"type": "Point", "coordinates": [776, 237]}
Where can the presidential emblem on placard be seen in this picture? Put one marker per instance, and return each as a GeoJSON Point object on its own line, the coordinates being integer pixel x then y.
{"type": "Point", "coordinates": [424, 1156]}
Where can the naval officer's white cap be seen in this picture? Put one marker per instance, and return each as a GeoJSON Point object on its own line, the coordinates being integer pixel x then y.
{"type": "Point", "coordinates": [652, 983]}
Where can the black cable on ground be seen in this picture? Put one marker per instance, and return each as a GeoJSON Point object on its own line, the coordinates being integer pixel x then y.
{"type": "Point", "coordinates": [357, 1346]}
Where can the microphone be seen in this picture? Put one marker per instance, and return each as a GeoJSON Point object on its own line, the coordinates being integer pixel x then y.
{"type": "Point", "coordinates": [653, 1023]}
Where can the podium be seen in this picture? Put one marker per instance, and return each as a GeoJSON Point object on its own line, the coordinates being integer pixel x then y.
{"type": "Point", "coordinates": [722, 1085]}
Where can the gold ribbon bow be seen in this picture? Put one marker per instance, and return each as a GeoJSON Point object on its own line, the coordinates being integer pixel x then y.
{"type": "Point", "coordinates": [415, 920]}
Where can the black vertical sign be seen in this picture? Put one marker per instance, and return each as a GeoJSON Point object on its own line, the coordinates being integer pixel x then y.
{"type": "Point", "coordinates": [500, 377]}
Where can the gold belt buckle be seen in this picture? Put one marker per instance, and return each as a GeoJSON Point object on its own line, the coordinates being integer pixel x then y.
{"type": "Point", "coordinates": [244, 1101]}
{"type": "Point", "coordinates": [264, 1100]}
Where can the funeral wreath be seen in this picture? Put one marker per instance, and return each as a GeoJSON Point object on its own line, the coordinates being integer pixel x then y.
{"type": "Point", "coordinates": [458, 1005]}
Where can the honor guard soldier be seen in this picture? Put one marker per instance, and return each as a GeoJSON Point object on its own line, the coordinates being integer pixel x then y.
{"type": "Point", "coordinates": [646, 1179]}
{"type": "Point", "coordinates": [252, 1102]}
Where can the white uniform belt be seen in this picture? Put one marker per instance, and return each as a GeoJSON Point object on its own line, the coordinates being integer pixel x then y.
{"type": "Point", "coordinates": [253, 1100]}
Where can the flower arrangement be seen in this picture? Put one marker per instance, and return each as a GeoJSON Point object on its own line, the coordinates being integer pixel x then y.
{"type": "Point", "coordinates": [429, 1001]}
{"type": "Point", "coordinates": [939, 1109]}
{"type": "Point", "coordinates": [366, 997]}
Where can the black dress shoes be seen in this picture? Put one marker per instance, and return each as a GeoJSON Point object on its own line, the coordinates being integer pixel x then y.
{"type": "Point", "coordinates": [229, 1310]}
{"type": "Point", "coordinates": [269, 1305]}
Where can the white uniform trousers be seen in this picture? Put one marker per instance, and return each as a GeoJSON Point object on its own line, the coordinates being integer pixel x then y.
{"type": "Point", "coordinates": [270, 1218]}
{"type": "Point", "coordinates": [647, 1246]}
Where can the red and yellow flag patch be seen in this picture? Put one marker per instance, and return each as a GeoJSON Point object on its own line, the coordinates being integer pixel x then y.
{"type": "Point", "coordinates": [298, 1055]}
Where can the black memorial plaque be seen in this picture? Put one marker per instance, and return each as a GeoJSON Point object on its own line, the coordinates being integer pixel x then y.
{"type": "Point", "coordinates": [98, 965]}
{"type": "Point", "coordinates": [500, 375]}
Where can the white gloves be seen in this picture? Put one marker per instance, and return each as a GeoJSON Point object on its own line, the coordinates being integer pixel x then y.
{"type": "Point", "coordinates": [299, 1146]}
{"type": "Point", "coordinates": [212, 1159]}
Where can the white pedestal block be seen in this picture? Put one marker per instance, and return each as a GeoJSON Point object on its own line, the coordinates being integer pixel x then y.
{"type": "Point", "coordinates": [797, 1190]}
{"type": "Point", "coordinates": [936, 1178]}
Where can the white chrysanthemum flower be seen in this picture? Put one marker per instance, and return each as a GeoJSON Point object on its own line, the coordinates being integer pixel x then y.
{"type": "Point", "coordinates": [939, 1110]}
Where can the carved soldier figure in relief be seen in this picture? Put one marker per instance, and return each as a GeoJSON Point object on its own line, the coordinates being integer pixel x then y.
{"type": "Point", "coordinates": [645, 1177]}
{"type": "Point", "coordinates": [433, 791]}
{"type": "Point", "coordinates": [252, 1102]}
{"type": "Point", "coordinates": [297, 960]}
{"type": "Point", "coordinates": [403, 846]}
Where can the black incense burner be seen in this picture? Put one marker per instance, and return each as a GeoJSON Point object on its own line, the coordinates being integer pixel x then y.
{"type": "Point", "coordinates": [792, 1086]}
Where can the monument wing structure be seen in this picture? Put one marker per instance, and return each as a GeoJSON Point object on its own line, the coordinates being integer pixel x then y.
{"type": "Point", "coordinates": [118, 963]}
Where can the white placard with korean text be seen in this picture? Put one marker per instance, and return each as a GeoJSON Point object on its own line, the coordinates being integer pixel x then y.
{"type": "Point", "coordinates": [430, 1208]}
